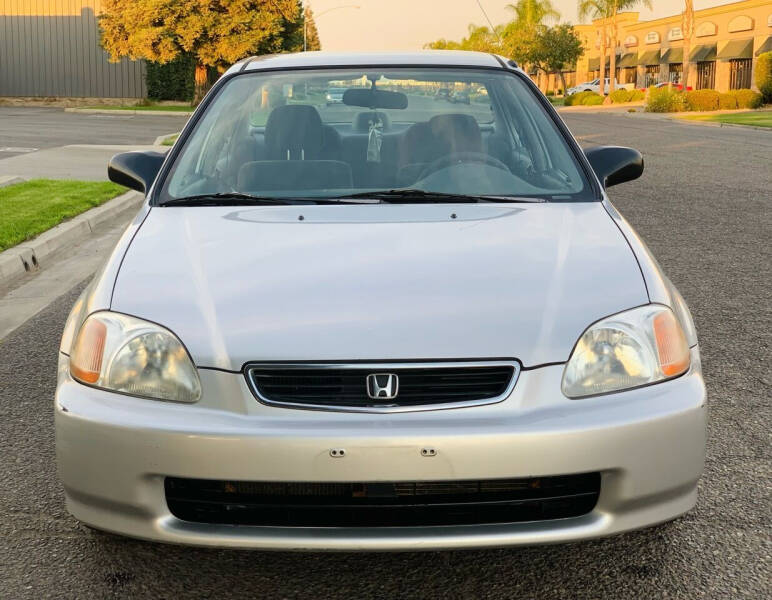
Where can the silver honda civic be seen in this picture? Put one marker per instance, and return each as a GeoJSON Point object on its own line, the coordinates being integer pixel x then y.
{"type": "Point", "coordinates": [387, 323]}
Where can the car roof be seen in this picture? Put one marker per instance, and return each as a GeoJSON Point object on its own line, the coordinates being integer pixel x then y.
{"type": "Point", "coordinates": [436, 58]}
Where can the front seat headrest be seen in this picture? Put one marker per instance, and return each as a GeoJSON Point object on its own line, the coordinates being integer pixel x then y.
{"type": "Point", "coordinates": [459, 133]}
{"type": "Point", "coordinates": [294, 132]}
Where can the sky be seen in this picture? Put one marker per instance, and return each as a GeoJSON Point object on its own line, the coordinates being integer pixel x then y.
{"type": "Point", "coordinates": [409, 24]}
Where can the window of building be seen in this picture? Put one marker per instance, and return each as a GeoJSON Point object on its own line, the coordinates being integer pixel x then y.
{"type": "Point", "coordinates": [740, 73]}
{"type": "Point", "coordinates": [706, 75]}
{"type": "Point", "coordinates": [651, 76]}
{"type": "Point", "coordinates": [675, 72]}
{"type": "Point", "coordinates": [627, 75]}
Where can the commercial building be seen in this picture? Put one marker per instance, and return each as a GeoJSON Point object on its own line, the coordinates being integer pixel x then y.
{"type": "Point", "coordinates": [50, 48]}
{"type": "Point", "coordinates": [727, 41]}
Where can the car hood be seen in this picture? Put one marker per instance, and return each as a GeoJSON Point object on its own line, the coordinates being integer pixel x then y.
{"type": "Point", "coordinates": [378, 282]}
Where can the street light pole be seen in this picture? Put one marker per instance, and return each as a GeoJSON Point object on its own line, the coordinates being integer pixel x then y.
{"type": "Point", "coordinates": [324, 12]}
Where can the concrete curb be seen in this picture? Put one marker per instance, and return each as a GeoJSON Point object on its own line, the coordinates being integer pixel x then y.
{"type": "Point", "coordinates": [601, 107]}
{"type": "Point", "coordinates": [29, 255]}
{"type": "Point", "coordinates": [160, 139]}
{"type": "Point", "coordinates": [119, 111]}
{"type": "Point", "coordinates": [10, 180]}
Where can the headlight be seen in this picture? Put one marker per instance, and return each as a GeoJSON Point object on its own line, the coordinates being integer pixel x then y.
{"type": "Point", "coordinates": [127, 355]}
{"type": "Point", "coordinates": [634, 348]}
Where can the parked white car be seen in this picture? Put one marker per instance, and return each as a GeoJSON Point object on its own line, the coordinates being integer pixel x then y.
{"type": "Point", "coordinates": [308, 340]}
{"type": "Point", "coordinates": [594, 86]}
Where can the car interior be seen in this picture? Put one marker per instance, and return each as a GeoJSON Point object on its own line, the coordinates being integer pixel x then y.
{"type": "Point", "coordinates": [378, 138]}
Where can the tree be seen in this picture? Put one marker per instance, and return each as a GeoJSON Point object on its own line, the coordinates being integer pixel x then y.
{"type": "Point", "coordinates": [598, 10]}
{"type": "Point", "coordinates": [216, 32]}
{"type": "Point", "coordinates": [556, 48]}
{"type": "Point", "coordinates": [533, 12]}
{"type": "Point", "coordinates": [479, 39]}
{"type": "Point", "coordinates": [312, 34]}
{"type": "Point", "coordinates": [618, 6]}
{"type": "Point", "coordinates": [519, 36]}
{"type": "Point", "coordinates": [687, 30]}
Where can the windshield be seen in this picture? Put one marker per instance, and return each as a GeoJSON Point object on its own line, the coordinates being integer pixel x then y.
{"type": "Point", "coordinates": [329, 134]}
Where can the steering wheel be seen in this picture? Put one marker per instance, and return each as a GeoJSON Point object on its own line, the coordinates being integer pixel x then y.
{"type": "Point", "coordinates": [462, 157]}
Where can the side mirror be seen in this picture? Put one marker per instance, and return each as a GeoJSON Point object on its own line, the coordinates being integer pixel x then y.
{"type": "Point", "coordinates": [135, 170]}
{"type": "Point", "coordinates": [614, 164]}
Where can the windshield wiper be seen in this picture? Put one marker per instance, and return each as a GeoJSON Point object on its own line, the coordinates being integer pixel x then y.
{"type": "Point", "coordinates": [408, 195]}
{"type": "Point", "coordinates": [241, 199]}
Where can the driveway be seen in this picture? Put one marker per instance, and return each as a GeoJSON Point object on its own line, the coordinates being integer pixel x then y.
{"type": "Point", "coordinates": [703, 206]}
{"type": "Point", "coordinates": [48, 142]}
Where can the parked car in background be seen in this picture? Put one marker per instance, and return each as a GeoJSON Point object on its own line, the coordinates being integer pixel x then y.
{"type": "Point", "coordinates": [443, 94]}
{"type": "Point", "coordinates": [451, 339]}
{"type": "Point", "coordinates": [460, 97]}
{"type": "Point", "coordinates": [334, 95]}
{"type": "Point", "coordinates": [594, 86]}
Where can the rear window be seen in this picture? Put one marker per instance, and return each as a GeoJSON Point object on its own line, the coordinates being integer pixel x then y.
{"type": "Point", "coordinates": [327, 133]}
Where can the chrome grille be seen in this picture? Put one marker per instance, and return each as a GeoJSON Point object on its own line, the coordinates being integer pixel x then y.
{"type": "Point", "coordinates": [421, 385]}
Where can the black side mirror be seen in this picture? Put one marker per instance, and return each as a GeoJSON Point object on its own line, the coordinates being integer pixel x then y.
{"type": "Point", "coordinates": [135, 170]}
{"type": "Point", "coordinates": [614, 164]}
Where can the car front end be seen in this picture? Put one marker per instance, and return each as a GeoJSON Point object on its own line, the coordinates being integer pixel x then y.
{"type": "Point", "coordinates": [412, 368]}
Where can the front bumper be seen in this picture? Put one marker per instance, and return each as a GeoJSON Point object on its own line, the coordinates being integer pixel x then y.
{"type": "Point", "coordinates": [115, 451]}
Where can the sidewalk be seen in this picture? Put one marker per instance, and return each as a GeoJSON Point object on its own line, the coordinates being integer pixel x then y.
{"type": "Point", "coordinates": [77, 161]}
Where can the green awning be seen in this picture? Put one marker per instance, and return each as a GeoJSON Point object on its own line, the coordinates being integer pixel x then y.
{"type": "Point", "coordinates": [737, 49]}
{"type": "Point", "coordinates": [765, 47]}
{"type": "Point", "coordinates": [594, 63]}
{"type": "Point", "coordinates": [673, 56]}
{"type": "Point", "coordinates": [704, 53]}
{"type": "Point", "coordinates": [649, 58]}
{"type": "Point", "coordinates": [628, 60]}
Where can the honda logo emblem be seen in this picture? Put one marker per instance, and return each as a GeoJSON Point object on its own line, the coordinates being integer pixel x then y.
{"type": "Point", "coordinates": [382, 386]}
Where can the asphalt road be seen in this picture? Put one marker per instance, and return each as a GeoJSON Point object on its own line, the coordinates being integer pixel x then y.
{"type": "Point", "coordinates": [23, 128]}
{"type": "Point", "coordinates": [704, 207]}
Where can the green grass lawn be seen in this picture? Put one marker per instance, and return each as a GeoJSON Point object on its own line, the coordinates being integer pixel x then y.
{"type": "Point", "coordinates": [162, 107]}
{"type": "Point", "coordinates": [761, 118]}
{"type": "Point", "coordinates": [32, 207]}
{"type": "Point", "coordinates": [556, 101]}
{"type": "Point", "coordinates": [169, 141]}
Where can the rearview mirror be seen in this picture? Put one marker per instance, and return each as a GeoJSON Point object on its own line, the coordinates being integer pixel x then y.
{"type": "Point", "coordinates": [370, 98]}
{"type": "Point", "coordinates": [135, 170]}
{"type": "Point", "coordinates": [615, 164]}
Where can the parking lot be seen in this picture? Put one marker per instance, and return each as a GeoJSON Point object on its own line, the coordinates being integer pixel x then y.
{"type": "Point", "coordinates": [704, 207]}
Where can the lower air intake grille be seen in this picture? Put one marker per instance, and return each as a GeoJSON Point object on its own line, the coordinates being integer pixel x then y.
{"type": "Point", "coordinates": [383, 504]}
{"type": "Point", "coordinates": [403, 385]}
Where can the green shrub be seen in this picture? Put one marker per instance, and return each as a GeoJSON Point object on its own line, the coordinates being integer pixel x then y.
{"type": "Point", "coordinates": [727, 101]}
{"type": "Point", "coordinates": [747, 98]}
{"type": "Point", "coordinates": [593, 100]}
{"type": "Point", "coordinates": [764, 75]}
{"type": "Point", "coordinates": [584, 99]}
{"type": "Point", "coordinates": [637, 95]}
{"type": "Point", "coordinates": [702, 100]}
{"type": "Point", "coordinates": [666, 99]}
{"type": "Point", "coordinates": [173, 80]}
{"type": "Point", "coordinates": [549, 93]}
{"type": "Point", "coordinates": [620, 96]}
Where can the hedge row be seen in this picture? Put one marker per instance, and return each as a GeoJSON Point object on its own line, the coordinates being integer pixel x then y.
{"type": "Point", "coordinates": [668, 99]}
{"type": "Point", "coordinates": [584, 99]}
{"type": "Point", "coordinates": [622, 96]}
{"type": "Point", "coordinates": [173, 80]}
{"type": "Point", "coordinates": [764, 75]}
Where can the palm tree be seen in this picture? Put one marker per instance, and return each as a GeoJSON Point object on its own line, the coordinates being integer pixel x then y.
{"type": "Point", "coordinates": [598, 9]}
{"type": "Point", "coordinates": [617, 7]}
{"type": "Point", "coordinates": [608, 10]}
{"type": "Point", "coordinates": [529, 14]}
{"type": "Point", "coordinates": [687, 30]}
{"type": "Point", "coordinates": [533, 12]}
